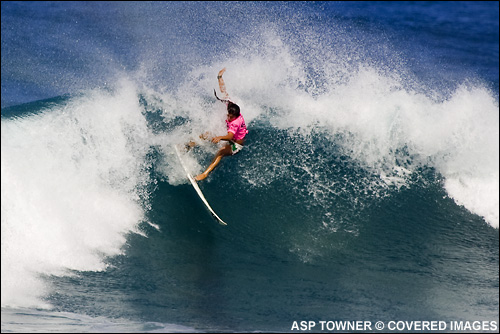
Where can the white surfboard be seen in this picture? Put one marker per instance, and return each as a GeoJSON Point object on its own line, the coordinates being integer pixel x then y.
{"type": "Point", "coordinates": [195, 186]}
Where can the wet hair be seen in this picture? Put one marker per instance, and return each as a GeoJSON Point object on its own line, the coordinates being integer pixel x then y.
{"type": "Point", "coordinates": [233, 109]}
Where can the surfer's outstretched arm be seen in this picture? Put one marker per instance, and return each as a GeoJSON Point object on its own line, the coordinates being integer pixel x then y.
{"type": "Point", "coordinates": [222, 86]}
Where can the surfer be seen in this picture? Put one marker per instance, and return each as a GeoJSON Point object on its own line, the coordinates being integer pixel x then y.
{"type": "Point", "coordinates": [236, 130]}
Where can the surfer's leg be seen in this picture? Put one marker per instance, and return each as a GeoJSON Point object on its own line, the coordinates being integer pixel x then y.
{"type": "Point", "coordinates": [225, 151]}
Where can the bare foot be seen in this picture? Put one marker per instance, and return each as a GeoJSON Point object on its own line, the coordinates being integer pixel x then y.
{"type": "Point", "coordinates": [201, 177]}
{"type": "Point", "coordinates": [190, 145]}
{"type": "Point", "coordinates": [206, 135]}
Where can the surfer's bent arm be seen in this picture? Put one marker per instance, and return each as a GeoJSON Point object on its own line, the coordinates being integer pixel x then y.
{"type": "Point", "coordinates": [227, 137]}
{"type": "Point", "coordinates": [222, 86]}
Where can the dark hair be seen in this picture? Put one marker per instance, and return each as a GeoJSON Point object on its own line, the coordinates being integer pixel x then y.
{"type": "Point", "coordinates": [233, 109]}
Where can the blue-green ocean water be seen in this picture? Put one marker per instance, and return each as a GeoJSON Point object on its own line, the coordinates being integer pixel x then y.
{"type": "Point", "coordinates": [367, 191]}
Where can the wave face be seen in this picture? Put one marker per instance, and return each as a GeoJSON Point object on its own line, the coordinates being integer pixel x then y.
{"type": "Point", "coordinates": [372, 162]}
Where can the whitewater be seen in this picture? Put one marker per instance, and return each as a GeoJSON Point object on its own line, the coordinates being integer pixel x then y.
{"type": "Point", "coordinates": [346, 131]}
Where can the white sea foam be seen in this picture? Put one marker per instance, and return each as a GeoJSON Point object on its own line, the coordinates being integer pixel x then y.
{"type": "Point", "coordinates": [71, 179]}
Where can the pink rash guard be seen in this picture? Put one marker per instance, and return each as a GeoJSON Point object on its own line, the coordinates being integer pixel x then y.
{"type": "Point", "coordinates": [237, 127]}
